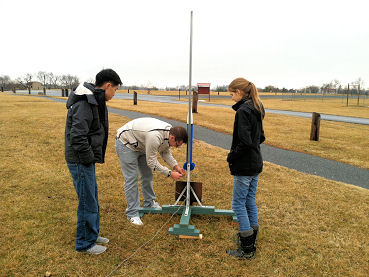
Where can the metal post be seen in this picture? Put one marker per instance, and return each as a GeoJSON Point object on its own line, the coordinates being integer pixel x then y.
{"type": "Point", "coordinates": [358, 95]}
{"type": "Point", "coordinates": [189, 129]}
{"type": "Point", "coordinates": [348, 90]}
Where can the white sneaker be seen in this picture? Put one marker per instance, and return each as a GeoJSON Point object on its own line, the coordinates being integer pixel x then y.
{"type": "Point", "coordinates": [155, 205]}
{"type": "Point", "coordinates": [136, 220]}
{"type": "Point", "coordinates": [96, 249]}
{"type": "Point", "coordinates": [102, 240]}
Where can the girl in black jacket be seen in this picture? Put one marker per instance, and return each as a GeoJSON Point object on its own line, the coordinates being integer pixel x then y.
{"type": "Point", "coordinates": [245, 162]}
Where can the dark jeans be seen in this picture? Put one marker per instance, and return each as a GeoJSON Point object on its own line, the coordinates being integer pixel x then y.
{"type": "Point", "coordinates": [88, 212]}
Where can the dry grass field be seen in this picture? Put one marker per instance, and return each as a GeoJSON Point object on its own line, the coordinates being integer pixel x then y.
{"type": "Point", "coordinates": [310, 226]}
{"type": "Point", "coordinates": [338, 141]}
{"type": "Point", "coordinates": [325, 105]}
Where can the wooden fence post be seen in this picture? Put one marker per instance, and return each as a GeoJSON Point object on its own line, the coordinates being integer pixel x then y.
{"type": "Point", "coordinates": [66, 92]}
{"type": "Point", "coordinates": [2, 89]}
{"type": "Point", "coordinates": [315, 127]}
{"type": "Point", "coordinates": [135, 98]}
{"type": "Point", "coordinates": [14, 90]}
{"type": "Point", "coordinates": [62, 91]}
{"type": "Point", "coordinates": [179, 94]}
{"type": "Point", "coordinates": [194, 101]}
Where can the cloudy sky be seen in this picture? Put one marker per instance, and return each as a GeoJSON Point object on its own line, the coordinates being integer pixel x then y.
{"type": "Point", "coordinates": [285, 43]}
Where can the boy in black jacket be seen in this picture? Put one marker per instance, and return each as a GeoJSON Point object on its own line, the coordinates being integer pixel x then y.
{"type": "Point", "coordinates": [86, 136]}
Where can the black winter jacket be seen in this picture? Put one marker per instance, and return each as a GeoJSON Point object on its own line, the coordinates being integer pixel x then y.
{"type": "Point", "coordinates": [245, 158]}
{"type": "Point", "coordinates": [86, 130]}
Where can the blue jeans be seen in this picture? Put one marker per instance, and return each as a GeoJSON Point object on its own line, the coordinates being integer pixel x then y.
{"type": "Point", "coordinates": [88, 212]}
{"type": "Point", "coordinates": [244, 201]}
{"type": "Point", "coordinates": [134, 163]}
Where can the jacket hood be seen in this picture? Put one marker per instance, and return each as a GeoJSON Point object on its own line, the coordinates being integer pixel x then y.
{"type": "Point", "coordinates": [83, 91]}
{"type": "Point", "coordinates": [248, 104]}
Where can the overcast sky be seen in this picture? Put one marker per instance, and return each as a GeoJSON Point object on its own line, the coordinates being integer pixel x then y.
{"type": "Point", "coordinates": [285, 43]}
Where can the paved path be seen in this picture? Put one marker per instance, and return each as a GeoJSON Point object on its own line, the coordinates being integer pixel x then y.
{"type": "Point", "coordinates": [302, 162]}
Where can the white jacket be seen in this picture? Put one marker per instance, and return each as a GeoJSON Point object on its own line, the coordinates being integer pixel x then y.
{"type": "Point", "coordinates": [151, 136]}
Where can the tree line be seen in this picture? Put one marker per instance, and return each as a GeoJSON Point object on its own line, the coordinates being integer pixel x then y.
{"type": "Point", "coordinates": [48, 80]}
{"type": "Point", "coordinates": [333, 86]}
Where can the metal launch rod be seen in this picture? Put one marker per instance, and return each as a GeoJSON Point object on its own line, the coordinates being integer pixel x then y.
{"type": "Point", "coordinates": [189, 122]}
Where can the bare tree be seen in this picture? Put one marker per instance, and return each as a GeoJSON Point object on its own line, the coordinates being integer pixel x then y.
{"type": "Point", "coordinates": [312, 89]}
{"type": "Point", "coordinates": [52, 80]}
{"type": "Point", "coordinates": [335, 84]}
{"type": "Point", "coordinates": [68, 81]}
{"type": "Point", "coordinates": [5, 81]}
{"type": "Point", "coordinates": [359, 83]}
{"type": "Point", "coordinates": [28, 80]}
{"type": "Point", "coordinates": [25, 82]}
{"type": "Point", "coordinates": [72, 81]}
{"type": "Point", "coordinates": [42, 77]}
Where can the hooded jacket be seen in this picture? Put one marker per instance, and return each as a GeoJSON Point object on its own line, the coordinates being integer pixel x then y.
{"type": "Point", "coordinates": [86, 130]}
{"type": "Point", "coordinates": [245, 158]}
{"type": "Point", "coordinates": [150, 136]}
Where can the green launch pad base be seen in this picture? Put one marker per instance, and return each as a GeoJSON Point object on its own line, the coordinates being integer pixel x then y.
{"type": "Point", "coordinates": [184, 228]}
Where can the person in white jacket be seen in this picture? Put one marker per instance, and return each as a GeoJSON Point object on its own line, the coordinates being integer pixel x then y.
{"type": "Point", "coordinates": [137, 145]}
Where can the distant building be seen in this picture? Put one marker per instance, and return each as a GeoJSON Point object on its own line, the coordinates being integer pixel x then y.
{"type": "Point", "coordinates": [35, 85]}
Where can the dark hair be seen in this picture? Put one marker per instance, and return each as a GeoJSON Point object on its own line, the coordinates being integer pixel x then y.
{"type": "Point", "coordinates": [106, 76]}
{"type": "Point", "coordinates": [179, 133]}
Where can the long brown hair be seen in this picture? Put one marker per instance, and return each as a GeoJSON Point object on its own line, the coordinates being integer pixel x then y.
{"type": "Point", "coordinates": [248, 90]}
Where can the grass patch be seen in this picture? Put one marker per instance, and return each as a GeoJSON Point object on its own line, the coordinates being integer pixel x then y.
{"type": "Point", "coordinates": [338, 141]}
{"type": "Point", "coordinates": [309, 225]}
{"type": "Point", "coordinates": [325, 105]}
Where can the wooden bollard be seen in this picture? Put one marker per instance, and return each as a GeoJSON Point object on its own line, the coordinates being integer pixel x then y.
{"type": "Point", "coordinates": [66, 92]}
{"type": "Point", "coordinates": [194, 102]}
{"type": "Point", "coordinates": [14, 90]}
{"type": "Point", "coordinates": [62, 91]}
{"type": "Point", "coordinates": [135, 98]}
{"type": "Point", "coordinates": [315, 127]}
{"type": "Point", "coordinates": [2, 89]}
{"type": "Point", "coordinates": [128, 90]}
